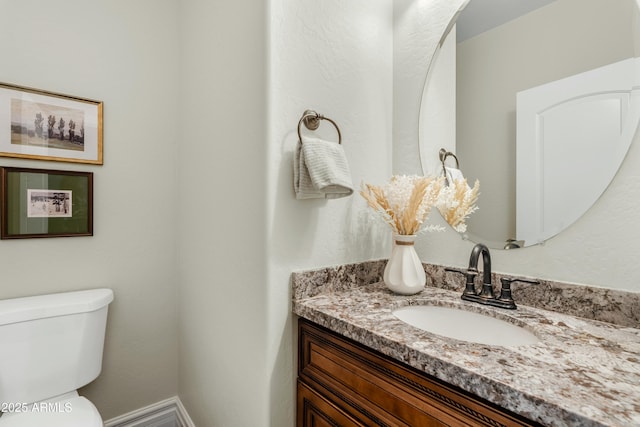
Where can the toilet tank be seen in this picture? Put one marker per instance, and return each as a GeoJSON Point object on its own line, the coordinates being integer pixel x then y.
{"type": "Point", "coordinates": [51, 344]}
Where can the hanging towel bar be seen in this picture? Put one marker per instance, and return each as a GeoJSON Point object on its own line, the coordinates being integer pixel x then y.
{"type": "Point", "coordinates": [311, 120]}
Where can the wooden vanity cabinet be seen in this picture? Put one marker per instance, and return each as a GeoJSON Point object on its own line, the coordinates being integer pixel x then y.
{"type": "Point", "coordinates": [343, 383]}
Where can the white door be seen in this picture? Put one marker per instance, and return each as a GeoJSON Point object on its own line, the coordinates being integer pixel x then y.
{"type": "Point", "coordinates": [572, 136]}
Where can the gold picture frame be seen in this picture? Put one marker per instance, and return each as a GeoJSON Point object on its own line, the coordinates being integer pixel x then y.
{"type": "Point", "coordinates": [42, 125]}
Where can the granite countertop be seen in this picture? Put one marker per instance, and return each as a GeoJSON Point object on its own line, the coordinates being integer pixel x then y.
{"type": "Point", "coordinates": [582, 372]}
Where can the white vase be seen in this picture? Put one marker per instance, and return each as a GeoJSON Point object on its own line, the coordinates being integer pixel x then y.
{"type": "Point", "coordinates": [404, 273]}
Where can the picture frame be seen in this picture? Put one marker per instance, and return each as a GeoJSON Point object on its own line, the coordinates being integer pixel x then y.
{"type": "Point", "coordinates": [42, 125]}
{"type": "Point", "coordinates": [45, 203]}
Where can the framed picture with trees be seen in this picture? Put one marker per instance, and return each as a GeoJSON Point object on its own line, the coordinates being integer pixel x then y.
{"type": "Point", "coordinates": [36, 124]}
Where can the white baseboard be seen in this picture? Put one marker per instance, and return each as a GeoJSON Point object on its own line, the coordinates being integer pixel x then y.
{"type": "Point", "coordinates": [183, 416]}
{"type": "Point", "coordinates": [167, 413]}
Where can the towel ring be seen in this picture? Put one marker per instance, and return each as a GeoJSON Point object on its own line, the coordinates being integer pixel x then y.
{"type": "Point", "coordinates": [311, 120]}
{"type": "Point", "coordinates": [443, 157]}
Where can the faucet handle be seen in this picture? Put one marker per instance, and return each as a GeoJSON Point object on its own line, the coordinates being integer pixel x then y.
{"type": "Point", "coordinates": [505, 290]}
{"type": "Point", "coordinates": [470, 274]}
{"type": "Point", "coordinates": [509, 280]}
{"type": "Point", "coordinates": [456, 270]}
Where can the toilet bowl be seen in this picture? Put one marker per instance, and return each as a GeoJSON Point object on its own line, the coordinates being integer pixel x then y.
{"type": "Point", "coordinates": [52, 345]}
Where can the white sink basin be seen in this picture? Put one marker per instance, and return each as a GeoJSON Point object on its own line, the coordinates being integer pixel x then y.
{"type": "Point", "coordinates": [465, 325]}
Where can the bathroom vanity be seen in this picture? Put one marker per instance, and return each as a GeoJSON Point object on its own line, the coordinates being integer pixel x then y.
{"type": "Point", "coordinates": [344, 383]}
{"type": "Point", "coordinates": [361, 365]}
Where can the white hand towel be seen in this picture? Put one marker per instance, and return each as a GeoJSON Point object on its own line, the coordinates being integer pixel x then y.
{"type": "Point", "coordinates": [301, 179]}
{"type": "Point", "coordinates": [453, 174]}
{"type": "Point", "coordinates": [321, 170]}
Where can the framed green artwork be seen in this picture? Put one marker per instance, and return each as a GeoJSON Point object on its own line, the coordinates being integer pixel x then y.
{"type": "Point", "coordinates": [45, 203]}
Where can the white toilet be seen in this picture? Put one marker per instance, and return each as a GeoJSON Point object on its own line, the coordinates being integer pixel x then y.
{"type": "Point", "coordinates": [51, 345]}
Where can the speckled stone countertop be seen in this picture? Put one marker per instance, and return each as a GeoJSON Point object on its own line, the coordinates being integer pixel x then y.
{"type": "Point", "coordinates": [583, 372]}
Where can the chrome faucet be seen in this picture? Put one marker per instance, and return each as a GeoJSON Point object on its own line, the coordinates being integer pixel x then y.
{"type": "Point", "coordinates": [486, 295]}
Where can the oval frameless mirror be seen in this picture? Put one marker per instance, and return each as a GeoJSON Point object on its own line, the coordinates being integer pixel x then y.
{"type": "Point", "coordinates": [539, 100]}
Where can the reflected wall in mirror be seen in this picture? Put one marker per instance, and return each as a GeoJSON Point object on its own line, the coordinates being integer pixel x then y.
{"type": "Point", "coordinates": [544, 112]}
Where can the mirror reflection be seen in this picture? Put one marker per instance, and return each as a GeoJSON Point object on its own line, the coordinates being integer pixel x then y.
{"type": "Point", "coordinates": [545, 110]}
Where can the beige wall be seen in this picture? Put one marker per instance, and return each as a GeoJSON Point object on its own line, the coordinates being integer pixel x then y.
{"type": "Point", "coordinates": [635, 28]}
{"type": "Point", "coordinates": [221, 222]}
{"type": "Point", "coordinates": [242, 231]}
{"type": "Point", "coordinates": [545, 45]}
{"type": "Point", "coordinates": [115, 52]}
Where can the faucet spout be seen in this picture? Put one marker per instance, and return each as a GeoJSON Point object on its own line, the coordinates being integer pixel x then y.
{"type": "Point", "coordinates": [486, 295]}
{"type": "Point", "coordinates": [483, 250]}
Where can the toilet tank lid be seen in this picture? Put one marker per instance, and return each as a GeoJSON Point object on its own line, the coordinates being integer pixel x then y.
{"type": "Point", "coordinates": [42, 306]}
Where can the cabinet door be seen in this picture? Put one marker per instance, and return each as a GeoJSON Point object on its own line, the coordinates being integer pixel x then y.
{"type": "Point", "coordinates": [316, 411]}
{"type": "Point", "coordinates": [379, 391]}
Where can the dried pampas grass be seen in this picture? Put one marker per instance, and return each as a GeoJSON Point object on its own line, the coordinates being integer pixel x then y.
{"type": "Point", "coordinates": [405, 202]}
{"type": "Point", "coordinates": [457, 202]}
